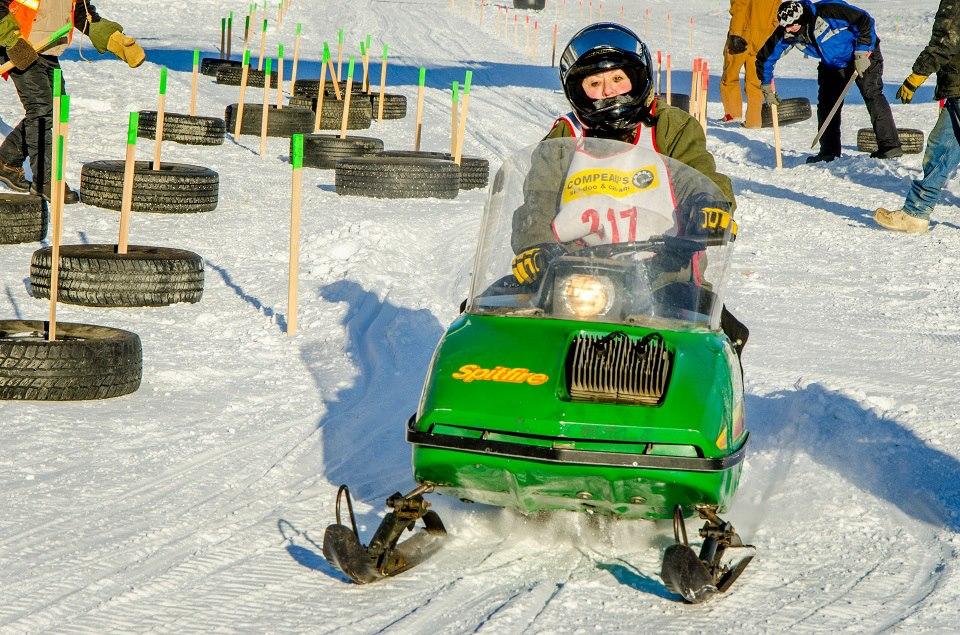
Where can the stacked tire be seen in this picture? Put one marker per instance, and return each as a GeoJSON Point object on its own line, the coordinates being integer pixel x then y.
{"type": "Point", "coordinates": [474, 171]}
{"type": "Point", "coordinates": [96, 275]}
{"type": "Point", "coordinates": [324, 151]}
{"type": "Point", "coordinates": [397, 177]}
{"type": "Point", "coordinates": [188, 129]}
{"type": "Point", "coordinates": [311, 88]}
{"type": "Point", "coordinates": [210, 65]}
{"type": "Point", "coordinates": [359, 116]}
{"type": "Point", "coordinates": [281, 122]}
{"type": "Point", "coordinates": [84, 362]}
{"type": "Point", "coordinates": [911, 140]}
{"type": "Point", "coordinates": [231, 76]}
{"type": "Point", "coordinates": [176, 188]}
{"type": "Point", "coordinates": [791, 110]}
{"type": "Point", "coordinates": [23, 218]}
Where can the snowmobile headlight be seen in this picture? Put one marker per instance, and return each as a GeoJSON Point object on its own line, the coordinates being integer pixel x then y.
{"type": "Point", "coordinates": [583, 296]}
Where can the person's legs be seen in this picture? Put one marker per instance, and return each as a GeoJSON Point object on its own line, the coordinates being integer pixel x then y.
{"type": "Point", "coordinates": [881, 118]}
{"type": "Point", "coordinates": [730, 93]}
{"type": "Point", "coordinates": [831, 82]}
{"type": "Point", "coordinates": [751, 83]}
{"type": "Point", "coordinates": [939, 161]}
{"type": "Point", "coordinates": [35, 87]}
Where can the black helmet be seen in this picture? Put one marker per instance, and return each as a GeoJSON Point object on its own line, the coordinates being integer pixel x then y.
{"type": "Point", "coordinates": [602, 47]}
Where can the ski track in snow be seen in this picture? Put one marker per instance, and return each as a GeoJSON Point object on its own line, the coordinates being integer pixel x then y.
{"type": "Point", "coordinates": [199, 502]}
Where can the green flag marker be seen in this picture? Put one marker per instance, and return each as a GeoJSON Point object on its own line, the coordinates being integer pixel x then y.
{"type": "Point", "coordinates": [230, 20]}
{"type": "Point", "coordinates": [246, 25]}
{"type": "Point", "coordinates": [266, 72]}
{"type": "Point", "coordinates": [246, 57]}
{"type": "Point", "coordinates": [132, 128]}
{"type": "Point", "coordinates": [326, 53]}
{"type": "Point", "coordinates": [65, 109]}
{"type": "Point", "coordinates": [384, 52]}
{"type": "Point", "coordinates": [57, 82]}
{"type": "Point", "coordinates": [369, 41]}
{"type": "Point", "coordinates": [350, 69]}
{"type": "Point", "coordinates": [59, 157]}
{"type": "Point", "coordinates": [264, 25]}
{"type": "Point", "coordinates": [297, 151]}
{"type": "Point", "coordinates": [456, 92]}
{"type": "Point", "coordinates": [196, 58]}
{"type": "Point", "coordinates": [340, 36]}
{"type": "Point", "coordinates": [280, 51]}
{"type": "Point", "coordinates": [299, 28]}
{"type": "Point", "coordinates": [423, 77]}
{"type": "Point", "coordinates": [363, 50]}
{"type": "Point", "coordinates": [163, 80]}
{"type": "Point", "coordinates": [466, 82]}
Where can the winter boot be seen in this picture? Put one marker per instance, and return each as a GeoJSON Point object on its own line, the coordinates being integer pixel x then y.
{"type": "Point", "coordinates": [730, 120]}
{"type": "Point", "coordinates": [900, 221]}
{"type": "Point", "coordinates": [889, 153]}
{"type": "Point", "coordinates": [821, 157]}
{"type": "Point", "coordinates": [12, 176]}
{"type": "Point", "coordinates": [70, 196]}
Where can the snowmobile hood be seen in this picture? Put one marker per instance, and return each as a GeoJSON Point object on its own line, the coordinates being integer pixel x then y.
{"type": "Point", "coordinates": [503, 374]}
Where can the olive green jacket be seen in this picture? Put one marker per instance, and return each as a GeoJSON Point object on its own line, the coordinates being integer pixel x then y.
{"type": "Point", "coordinates": [942, 54]}
{"type": "Point", "coordinates": [677, 135]}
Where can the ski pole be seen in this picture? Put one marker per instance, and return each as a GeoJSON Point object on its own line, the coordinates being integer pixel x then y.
{"type": "Point", "coordinates": [833, 111]}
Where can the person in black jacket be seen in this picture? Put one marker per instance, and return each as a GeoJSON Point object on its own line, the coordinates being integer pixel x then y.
{"type": "Point", "coordinates": [25, 25]}
{"type": "Point", "coordinates": [940, 159]}
{"type": "Point", "coordinates": [843, 37]}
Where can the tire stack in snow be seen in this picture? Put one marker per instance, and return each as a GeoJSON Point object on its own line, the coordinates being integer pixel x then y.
{"type": "Point", "coordinates": [231, 76]}
{"type": "Point", "coordinates": [174, 188]}
{"type": "Point", "coordinates": [305, 94]}
{"type": "Point", "coordinates": [23, 218]}
{"type": "Point", "coordinates": [911, 140]}
{"type": "Point", "coordinates": [359, 116]}
{"type": "Point", "coordinates": [210, 65]}
{"type": "Point", "coordinates": [325, 150]}
{"type": "Point", "coordinates": [180, 128]}
{"type": "Point", "coordinates": [474, 171]}
{"type": "Point", "coordinates": [791, 110]}
{"type": "Point", "coordinates": [281, 122]}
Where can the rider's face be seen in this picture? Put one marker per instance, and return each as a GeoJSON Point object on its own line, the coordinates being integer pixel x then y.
{"type": "Point", "coordinates": [606, 84]}
{"type": "Point", "coordinates": [793, 28]}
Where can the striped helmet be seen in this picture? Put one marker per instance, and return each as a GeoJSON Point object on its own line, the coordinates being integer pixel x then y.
{"type": "Point", "coordinates": [790, 13]}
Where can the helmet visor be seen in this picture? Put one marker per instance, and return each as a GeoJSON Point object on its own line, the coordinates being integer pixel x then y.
{"type": "Point", "coordinates": [601, 37]}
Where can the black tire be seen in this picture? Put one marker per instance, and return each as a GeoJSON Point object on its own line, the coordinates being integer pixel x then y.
{"type": "Point", "coordinates": [84, 362]}
{"type": "Point", "coordinates": [23, 218]}
{"type": "Point", "coordinates": [679, 100]}
{"type": "Point", "coordinates": [394, 106]}
{"type": "Point", "coordinates": [323, 151]}
{"type": "Point", "coordinates": [535, 5]}
{"type": "Point", "coordinates": [791, 110]}
{"type": "Point", "coordinates": [283, 122]}
{"type": "Point", "coordinates": [911, 140]}
{"type": "Point", "coordinates": [311, 87]}
{"type": "Point", "coordinates": [358, 118]}
{"type": "Point", "coordinates": [397, 177]}
{"type": "Point", "coordinates": [176, 188]}
{"type": "Point", "coordinates": [231, 76]}
{"type": "Point", "coordinates": [474, 171]}
{"type": "Point", "coordinates": [210, 65]}
{"type": "Point", "coordinates": [96, 275]}
{"type": "Point", "coordinates": [193, 130]}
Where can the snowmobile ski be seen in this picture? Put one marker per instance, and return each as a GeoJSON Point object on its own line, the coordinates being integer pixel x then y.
{"type": "Point", "coordinates": [384, 557]}
{"type": "Point", "coordinates": [722, 559]}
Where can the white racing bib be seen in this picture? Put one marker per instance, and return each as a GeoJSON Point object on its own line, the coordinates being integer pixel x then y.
{"type": "Point", "coordinates": [622, 198]}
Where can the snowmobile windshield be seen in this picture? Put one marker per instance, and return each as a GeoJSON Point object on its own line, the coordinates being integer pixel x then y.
{"type": "Point", "coordinates": [607, 232]}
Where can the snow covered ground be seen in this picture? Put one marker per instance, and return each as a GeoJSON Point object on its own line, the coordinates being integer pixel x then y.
{"type": "Point", "coordinates": [199, 502]}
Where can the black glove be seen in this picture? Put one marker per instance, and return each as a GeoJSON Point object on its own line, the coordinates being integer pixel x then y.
{"type": "Point", "coordinates": [22, 54]}
{"type": "Point", "coordinates": [736, 44]}
{"type": "Point", "coordinates": [529, 263]}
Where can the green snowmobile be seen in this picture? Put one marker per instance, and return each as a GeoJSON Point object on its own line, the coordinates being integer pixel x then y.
{"type": "Point", "coordinates": [606, 386]}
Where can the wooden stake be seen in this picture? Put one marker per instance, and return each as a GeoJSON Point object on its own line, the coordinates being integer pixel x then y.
{"type": "Point", "coordinates": [126, 199]}
{"type": "Point", "coordinates": [669, 80]}
{"type": "Point", "coordinates": [383, 84]}
{"type": "Point", "coordinates": [339, 57]}
{"type": "Point", "coordinates": [161, 107]}
{"type": "Point", "coordinates": [461, 132]}
{"type": "Point", "coordinates": [366, 64]}
{"type": "Point", "coordinates": [296, 60]}
{"type": "Point", "coordinates": [263, 45]}
{"type": "Point", "coordinates": [669, 30]}
{"type": "Point", "coordinates": [265, 109]}
{"type": "Point", "coordinates": [703, 95]}
{"type": "Point", "coordinates": [454, 118]}
{"type": "Point", "coordinates": [364, 59]}
{"type": "Point", "coordinates": [294, 268]}
{"type": "Point", "coordinates": [776, 135]}
{"type": "Point", "coordinates": [223, 37]}
{"type": "Point", "coordinates": [56, 210]}
{"type": "Point", "coordinates": [229, 34]}
{"type": "Point", "coordinates": [659, 60]}
{"type": "Point", "coordinates": [420, 94]}
{"type": "Point", "coordinates": [244, 74]}
{"type": "Point", "coordinates": [325, 61]}
{"type": "Point", "coordinates": [193, 82]}
{"type": "Point", "coordinates": [553, 47]}
{"type": "Point", "coordinates": [246, 32]}
{"type": "Point", "coordinates": [346, 100]}
{"type": "Point", "coordinates": [57, 91]}
{"type": "Point", "coordinates": [694, 86]}
{"type": "Point", "coordinates": [279, 77]}
{"type": "Point", "coordinates": [336, 82]}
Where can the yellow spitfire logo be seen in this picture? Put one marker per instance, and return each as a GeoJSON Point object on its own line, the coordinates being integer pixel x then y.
{"type": "Point", "coordinates": [501, 374]}
{"type": "Point", "coordinates": [609, 182]}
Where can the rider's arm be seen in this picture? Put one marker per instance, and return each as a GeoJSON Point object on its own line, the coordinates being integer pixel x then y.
{"type": "Point", "coordinates": [532, 221]}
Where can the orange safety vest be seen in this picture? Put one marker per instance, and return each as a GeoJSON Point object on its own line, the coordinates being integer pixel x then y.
{"type": "Point", "coordinates": [27, 12]}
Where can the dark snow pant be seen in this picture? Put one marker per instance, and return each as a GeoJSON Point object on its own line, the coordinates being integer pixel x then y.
{"type": "Point", "coordinates": [32, 137]}
{"type": "Point", "coordinates": [831, 83]}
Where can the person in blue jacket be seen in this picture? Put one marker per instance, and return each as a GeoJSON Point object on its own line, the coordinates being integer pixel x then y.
{"type": "Point", "coordinates": [845, 41]}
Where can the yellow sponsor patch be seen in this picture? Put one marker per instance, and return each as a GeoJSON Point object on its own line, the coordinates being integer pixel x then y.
{"type": "Point", "coordinates": [502, 374]}
{"type": "Point", "coordinates": [609, 182]}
